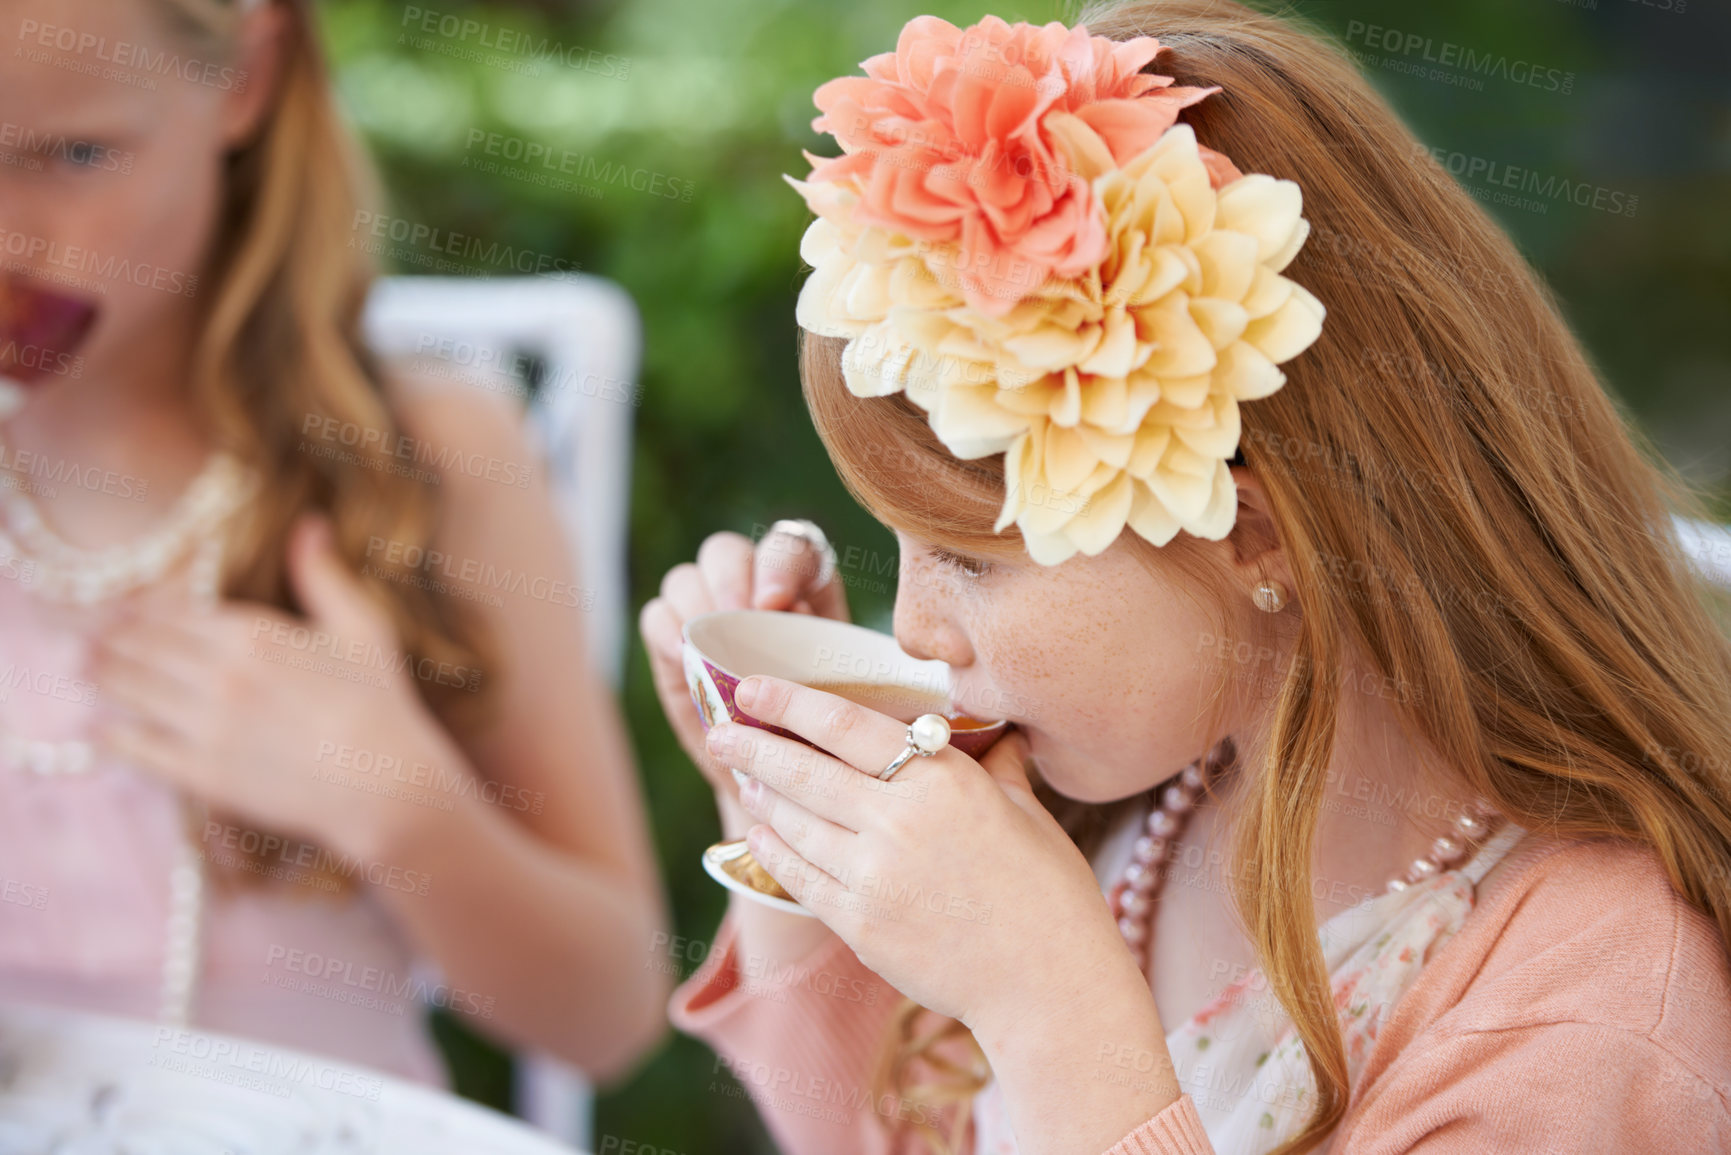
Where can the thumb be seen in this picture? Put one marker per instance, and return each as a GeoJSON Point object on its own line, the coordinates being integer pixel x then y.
{"type": "Point", "coordinates": [327, 590]}
{"type": "Point", "coordinates": [1007, 763]}
{"type": "Point", "coordinates": [785, 569]}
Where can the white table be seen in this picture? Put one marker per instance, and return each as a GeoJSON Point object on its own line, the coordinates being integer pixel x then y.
{"type": "Point", "coordinates": [77, 1084]}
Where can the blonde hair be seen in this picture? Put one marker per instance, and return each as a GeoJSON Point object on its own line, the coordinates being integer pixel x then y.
{"type": "Point", "coordinates": [280, 344]}
{"type": "Point", "coordinates": [1488, 530]}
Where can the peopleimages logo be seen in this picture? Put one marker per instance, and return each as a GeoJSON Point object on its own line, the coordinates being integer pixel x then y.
{"type": "Point", "coordinates": [57, 687]}
{"type": "Point", "coordinates": [57, 471]}
{"type": "Point", "coordinates": [376, 980]}
{"type": "Point", "coordinates": [1539, 189]}
{"type": "Point", "coordinates": [422, 25]}
{"type": "Point", "coordinates": [354, 655]}
{"type": "Point", "coordinates": [543, 164]}
{"type": "Point", "coordinates": [429, 565]}
{"type": "Point", "coordinates": [447, 460]}
{"type": "Point", "coordinates": [308, 856]}
{"type": "Point", "coordinates": [23, 894]}
{"type": "Point", "coordinates": [426, 245]}
{"type": "Point", "coordinates": [33, 250]}
{"type": "Point", "coordinates": [38, 39]}
{"type": "Point", "coordinates": [59, 146]}
{"type": "Point", "coordinates": [255, 1067]}
{"type": "Point", "coordinates": [1454, 63]}
{"type": "Point", "coordinates": [50, 362]}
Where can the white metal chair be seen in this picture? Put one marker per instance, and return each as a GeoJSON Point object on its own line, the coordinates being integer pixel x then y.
{"type": "Point", "coordinates": [578, 336]}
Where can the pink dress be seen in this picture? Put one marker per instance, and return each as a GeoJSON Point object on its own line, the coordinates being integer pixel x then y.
{"type": "Point", "coordinates": [85, 861]}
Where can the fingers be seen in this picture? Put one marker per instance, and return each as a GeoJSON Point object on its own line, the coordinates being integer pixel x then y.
{"type": "Point", "coordinates": [662, 638]}
{"type": "Point", "coordinates": [675, 695]}
{"type": "Point", "coordinates": [783, 566]}
{"type": "Point", "coordinates": [830, 600]}
{"type": "Point", "coordinates": [725, 561]}
{"type": "Point", "coordinates": [684, 595]}
{"type": "Point", "coordinates": [148, 748]}
{"type": "Point", "coordinates": [142, 688]}
{"type": "Point", "coordinates": [185, 625]}
{"type": "Point", "coordinates": [855, 734]}
{"type": "Point", "coordinates": [662, 634]}
{"type": "Point", "coordinates": [812, 837]}
{"type": "Point", "coordinates": [328, 590]}
{"type": "Point", "coordinates": [161, 646]}
{"type": "Point", "coordinates": [784, 570]}
{"type": "Point", "coordinates": [686, 592]}
{"type": "Point", "coordinates": [830, 789]}
{"type": "Point", "coordinates": [812, 887]}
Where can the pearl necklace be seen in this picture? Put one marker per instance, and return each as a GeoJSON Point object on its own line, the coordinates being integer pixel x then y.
{"type": "Point", "coordinates": [1132, 900]}
{"type": "Point", "coordinates": [66, 573]}
{"type": "Point", "coordinates": [63, 572]}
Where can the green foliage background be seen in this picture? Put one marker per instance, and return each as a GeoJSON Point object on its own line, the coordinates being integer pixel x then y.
{"type": "Point", "coordinates": [715, 96]}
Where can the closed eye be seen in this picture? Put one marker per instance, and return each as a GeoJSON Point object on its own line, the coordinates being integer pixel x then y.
{"type": "Point", "coordinates": [971, 566]}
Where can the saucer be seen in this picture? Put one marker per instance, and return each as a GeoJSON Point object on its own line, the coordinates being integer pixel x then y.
{"type": "Point", "coordinates": [715, 860]}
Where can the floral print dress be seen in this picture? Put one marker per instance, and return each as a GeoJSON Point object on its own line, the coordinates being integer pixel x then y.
{"type": "Point", "coordinates": [1240, 1059]}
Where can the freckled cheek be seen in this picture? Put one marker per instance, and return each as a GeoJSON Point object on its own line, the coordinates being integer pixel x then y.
{"type": "Point", "coordinates": [1049, 682]}
{"type": "Point", "coordinates": [1110, 701]}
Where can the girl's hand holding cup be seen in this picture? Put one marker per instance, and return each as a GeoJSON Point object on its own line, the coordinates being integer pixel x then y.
{"type": "Point", "coordinates": [791, 568]}
{"type": "Point", "coordinates": [787, 570]}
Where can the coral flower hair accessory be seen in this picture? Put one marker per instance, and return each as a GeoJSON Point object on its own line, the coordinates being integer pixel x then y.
{"type": "Point", "coordinates": [1021, 237]}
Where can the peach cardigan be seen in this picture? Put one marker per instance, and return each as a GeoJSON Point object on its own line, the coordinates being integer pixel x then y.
{"type": "Point", "coordinates": [1583, 1006]}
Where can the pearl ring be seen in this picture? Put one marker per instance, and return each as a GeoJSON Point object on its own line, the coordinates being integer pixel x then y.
{"type": "Point", "coordinates": [927, 734]}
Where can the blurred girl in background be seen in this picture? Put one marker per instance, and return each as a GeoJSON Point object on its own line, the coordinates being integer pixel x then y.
{"type": "Point", "coordinates": [254, 773]}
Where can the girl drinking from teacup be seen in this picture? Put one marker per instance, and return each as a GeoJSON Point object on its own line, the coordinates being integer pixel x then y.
{"type": "Point", "coordinates": [1371, 787]}
{"type": "Point", "coordinates": [257, 761]}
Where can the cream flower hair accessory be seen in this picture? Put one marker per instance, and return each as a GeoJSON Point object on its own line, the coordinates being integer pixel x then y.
{"type": "Point", "coordinates": [1021, 238]}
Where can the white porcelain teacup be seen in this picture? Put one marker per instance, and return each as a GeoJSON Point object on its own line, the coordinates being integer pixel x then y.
{"type": "Point", "coordinates": [723, 648]}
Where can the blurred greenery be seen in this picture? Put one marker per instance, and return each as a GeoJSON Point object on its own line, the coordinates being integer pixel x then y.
{"type": "Point", "coordinates": [714, 98]}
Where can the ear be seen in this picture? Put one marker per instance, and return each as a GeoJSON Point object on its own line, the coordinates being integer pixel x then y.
{"type": "Point", "coordinates": [261, 52]}
{"type": "Point", "coordinates": [1257, 550]}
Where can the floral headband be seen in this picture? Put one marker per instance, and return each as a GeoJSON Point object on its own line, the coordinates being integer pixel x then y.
{"type": "Point", "coordinates": [1020, 237]}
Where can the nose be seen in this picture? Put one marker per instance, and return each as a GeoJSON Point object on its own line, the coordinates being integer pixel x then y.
{"type": "Point", "coordinates": [925, 625]}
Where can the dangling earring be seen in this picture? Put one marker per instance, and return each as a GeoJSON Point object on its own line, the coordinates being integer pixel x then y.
{"type": "Point", "coordinates": [1269, 596]}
